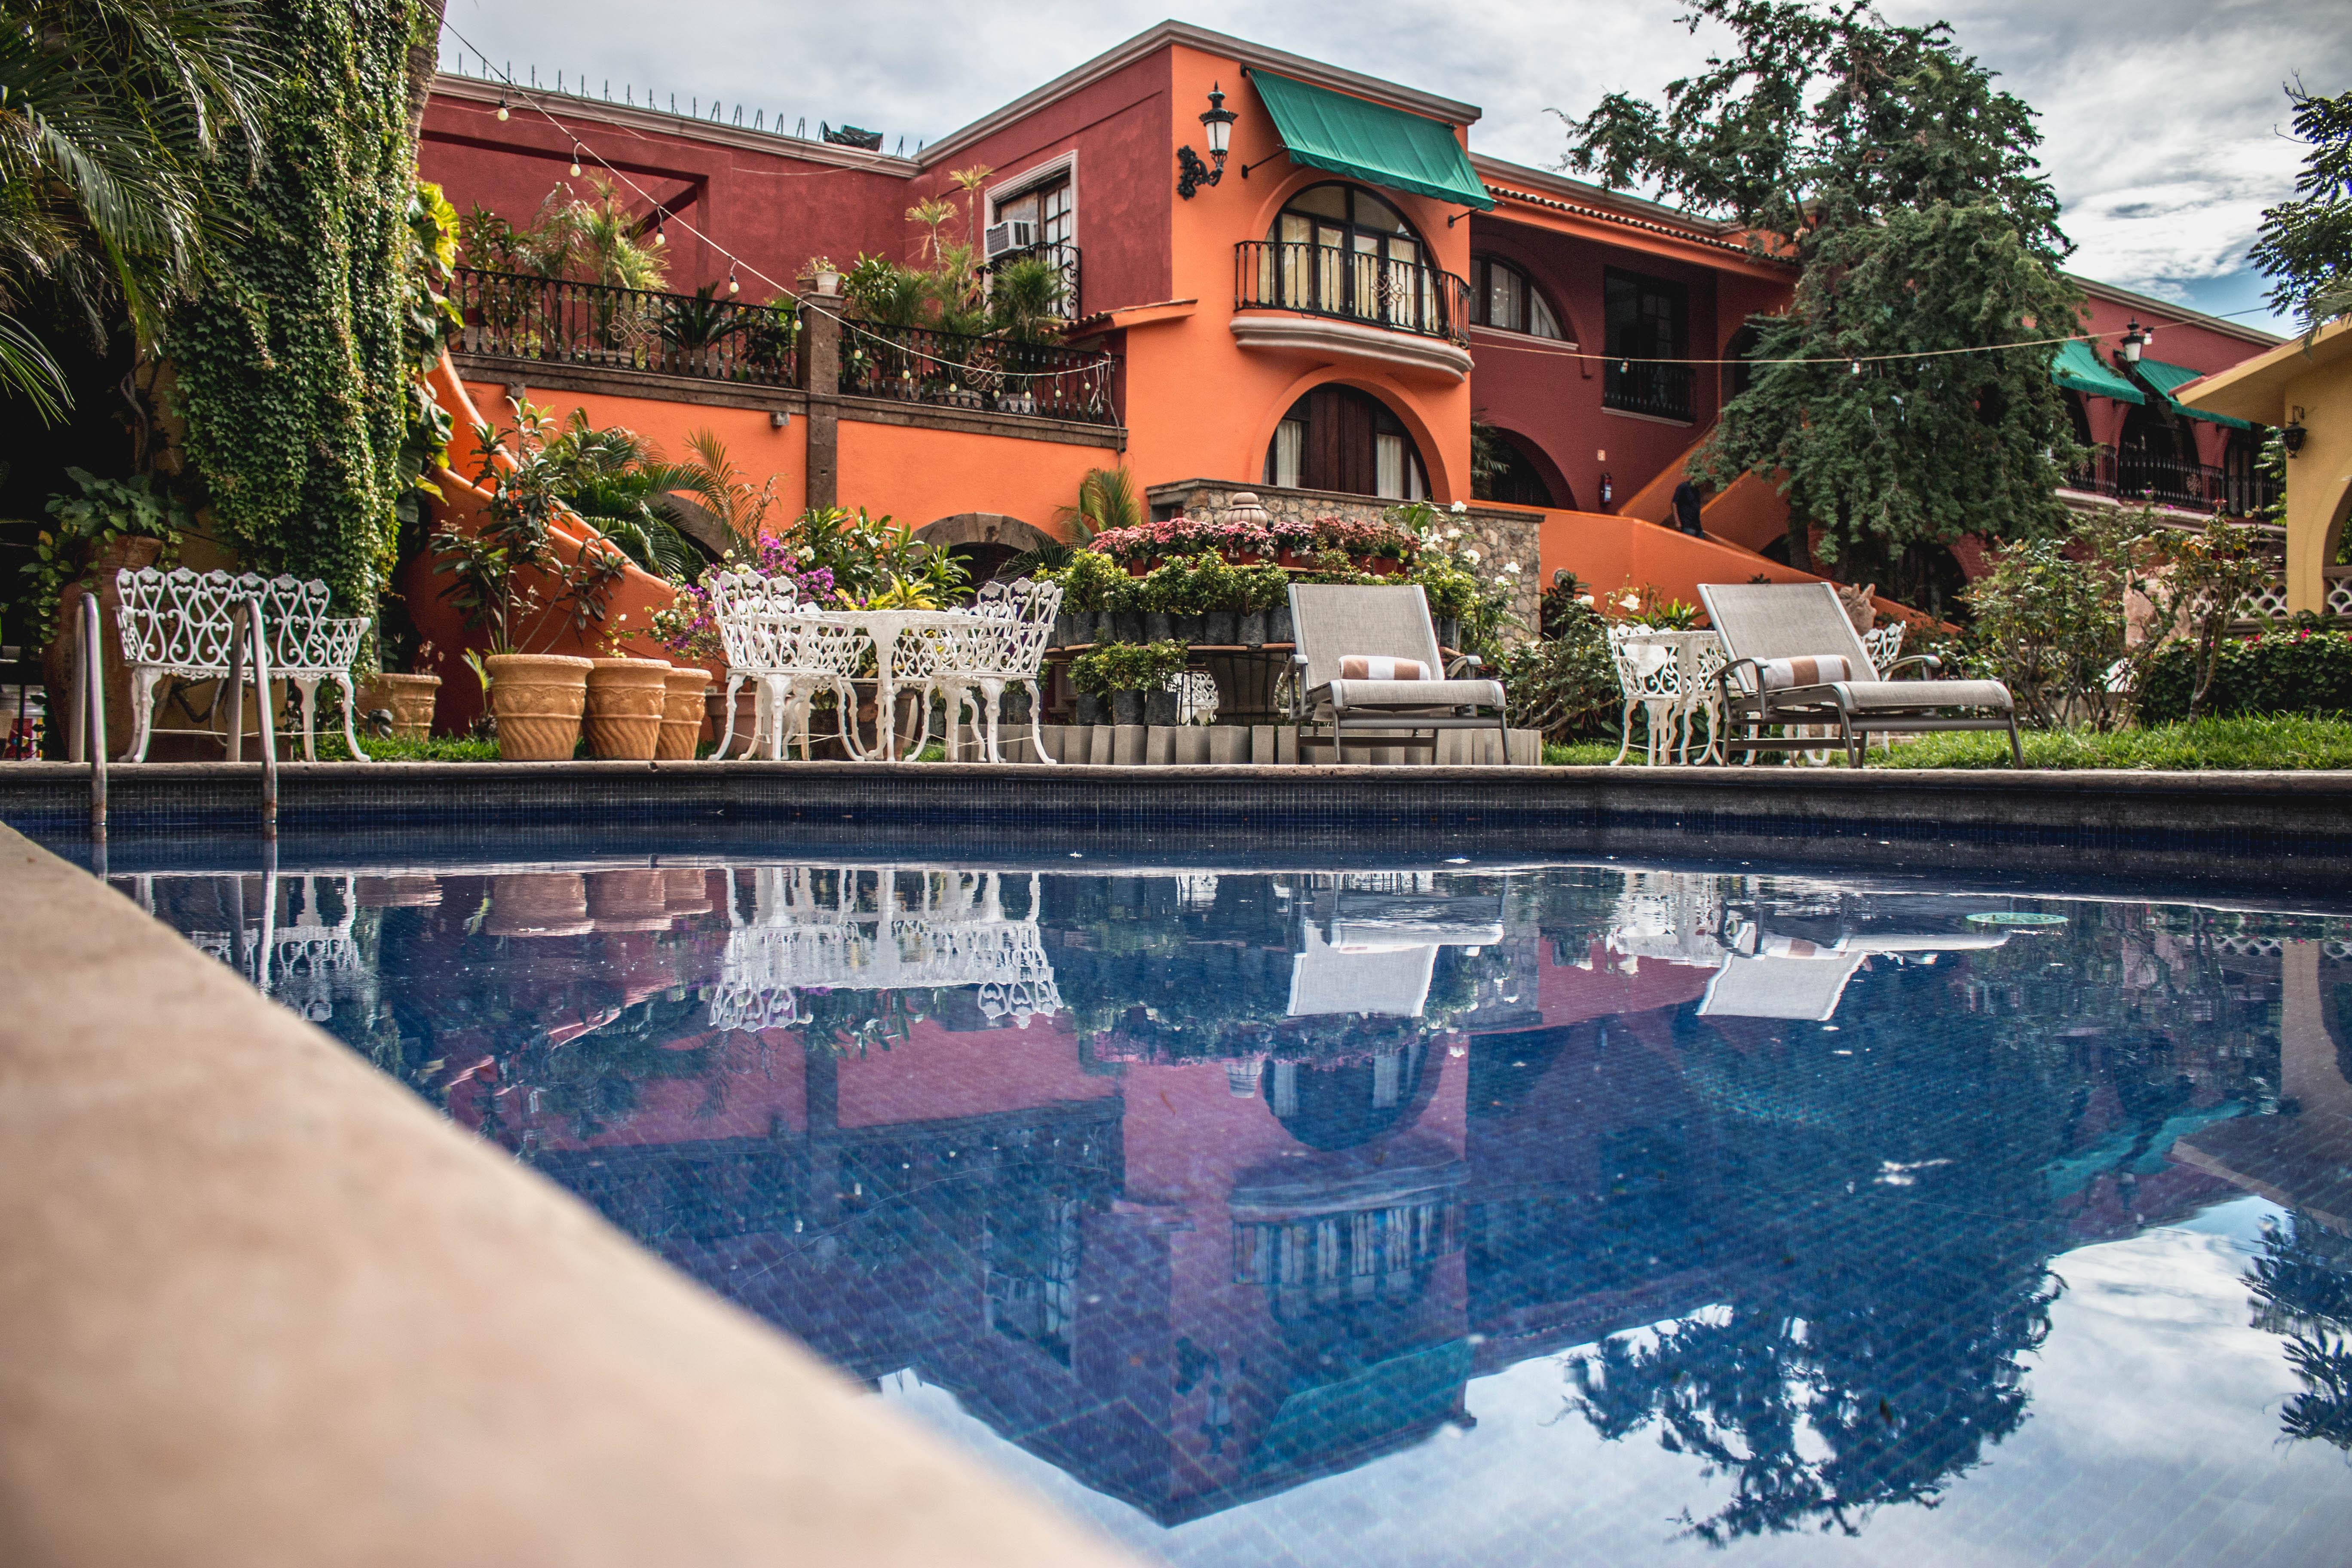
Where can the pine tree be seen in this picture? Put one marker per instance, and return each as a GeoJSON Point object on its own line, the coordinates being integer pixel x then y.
{"type": "Point", "coordinates": [1883, 164]}
{"type": "Point", "coordinates": [2305, 245]}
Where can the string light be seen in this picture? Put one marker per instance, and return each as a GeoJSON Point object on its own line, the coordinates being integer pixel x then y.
{"type": "Point", "coordinates": [660, 236]}
{"type": "Point", "coordinates": [502, 105]}
{"type": "Point", "coordinates": [575, 160]}
{"type": "Point", "coordinates": [732, 286]}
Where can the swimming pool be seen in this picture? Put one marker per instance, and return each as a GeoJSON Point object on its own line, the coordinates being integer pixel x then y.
{"type": "Point", "coordinates": [1555, 1213]}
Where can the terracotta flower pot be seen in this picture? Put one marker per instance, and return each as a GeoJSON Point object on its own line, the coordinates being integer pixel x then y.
{"type": "Point", "coordinates": [629, 900]}
{"type": "Point", "coordinates": [549, 903]}
{"type": "Point", "coordinates": [682, 712]}
{"type": "Point", "coordinates": [747, 702]}
{"type": "Point", "coordinates": [538, 698]}
{"type": "Point", "coordinates": [408, 698]}
{"type": "Point", "coordinates": [625, 699]}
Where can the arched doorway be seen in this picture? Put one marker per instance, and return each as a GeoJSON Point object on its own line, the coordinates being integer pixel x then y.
{"type": "Point", "coordinates": [984, 540]}
{"type": "Point", "coordinates": [1339, 438]}
{"type": "Point", "coordinates": [1506, 468]}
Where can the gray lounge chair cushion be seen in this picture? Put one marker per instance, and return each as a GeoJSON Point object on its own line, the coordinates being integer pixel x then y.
{"type": "Point", "coordinates": [1876, 696]}
{"type": "Point", "coordinates": [1398, 694]}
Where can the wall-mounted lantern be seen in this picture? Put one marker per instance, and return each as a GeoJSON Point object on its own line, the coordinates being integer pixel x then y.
{"type": "Point", "coordinates": [2135, 339]}
{"type": "Point", "coordinates": [1217, 121]}
{"type": "Point", "coordinates": [2292, 433]}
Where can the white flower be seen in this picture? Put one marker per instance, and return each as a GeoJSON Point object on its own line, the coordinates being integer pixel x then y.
{"type": "Point", "coordinates": [1585, 599]}
{"type": "Point", "coordinates": [1632, 601]}
{"type": "Point", "coordinates": [1471, 556]}
{"type": "Point", "coordinates": [1460, 506]}
{"type": "Point", "coordinates": [1512, 567]}
{"type": "Point", "coordinates": [1453, 533]}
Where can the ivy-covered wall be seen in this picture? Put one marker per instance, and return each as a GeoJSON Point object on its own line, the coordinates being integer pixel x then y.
{"type": "Point", "coordinates": [293, 377]}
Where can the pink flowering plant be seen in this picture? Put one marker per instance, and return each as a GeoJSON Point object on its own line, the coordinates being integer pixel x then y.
{"type": "Point", "coordinates": [1182, 536]}
{"type": "Point", "coordinates": [690, 628]}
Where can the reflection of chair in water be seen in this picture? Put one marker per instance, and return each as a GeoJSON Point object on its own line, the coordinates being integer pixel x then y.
{"type": "Point", "coordinates": [1790, 977]}
{"type": "Point", "coordinates": [1383, 951]}
{"type": "Point", "coordinates": [925, 930]}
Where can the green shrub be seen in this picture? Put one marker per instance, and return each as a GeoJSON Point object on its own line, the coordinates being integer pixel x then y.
{"type": "Point", "coordinates": [2300, 671]}
{"type": "Point", "coordinates": [1127, 667]}
{"type": "Point", "coordinates": [1565, 686]}
{"type": "Point", "coordinates": [2276, 741]}
{"type": "Point", "coordinates": [1088, 581]}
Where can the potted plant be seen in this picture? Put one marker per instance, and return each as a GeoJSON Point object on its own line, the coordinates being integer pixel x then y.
{"type": "Point", "coordinates": [1156, 596]}
{"type": "Point", "coordinates": [496, 574]}
{"type": "Point", "coordinates": [1087, 583]}
{"type": "Point", "coordinates": [823, 275]}
{"type": "Point", "coordinates": [112, 524]}
{"type": "Point", "coordinates": [1263, 590]}
{"type": "Point", "coordinates": [1124, 613]}
{"type": "Point", "coordinates": [408, 699]}
{"type": "Point", "coordinates": [682, 713]}
{"type": "Point", "coordinates": [1122, 674]}
{"type": "Point", "coordinates": [1218, 593]}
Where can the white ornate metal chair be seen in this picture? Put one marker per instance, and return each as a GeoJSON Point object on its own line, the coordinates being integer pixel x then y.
{"type": "Point", "coordinates": [1650, 678]}
{"type": "Point", "coordinates": [182, 623]}
{"type": "Point", "coordinates": [771, 639]}
{"type": "Point", "coordinates": [1004, 646]}
{"type": "Point", "coordinates": [308, 645]}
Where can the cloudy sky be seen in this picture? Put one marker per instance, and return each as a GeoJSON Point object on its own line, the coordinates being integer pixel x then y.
{"type": "Point", "coordinates": [2163, 119]}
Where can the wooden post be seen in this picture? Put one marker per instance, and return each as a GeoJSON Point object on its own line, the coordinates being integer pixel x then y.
{"type": "Point", "coordinates": [819, 363]}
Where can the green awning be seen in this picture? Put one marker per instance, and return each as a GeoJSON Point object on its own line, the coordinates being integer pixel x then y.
{"type": "Point", "coordinates": [2079, 368]}
{"type": "Point", "coordinates": [1377, 144]}
{"type": "Point", "coordinates": [2166, 377]}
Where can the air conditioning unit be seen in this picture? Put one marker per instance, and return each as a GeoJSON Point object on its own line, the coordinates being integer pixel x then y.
{"type": "Point", "coordinates": [1018, 234]}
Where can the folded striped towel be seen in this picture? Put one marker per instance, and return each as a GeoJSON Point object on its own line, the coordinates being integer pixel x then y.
{"type": "Point", "coordinates": [1369, 667]}
{"type": "Point", "coordinates": [1780, 674]}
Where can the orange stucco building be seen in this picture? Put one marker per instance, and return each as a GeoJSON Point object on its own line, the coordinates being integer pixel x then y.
{"type": "Point", "coordinates": [1322, 313]}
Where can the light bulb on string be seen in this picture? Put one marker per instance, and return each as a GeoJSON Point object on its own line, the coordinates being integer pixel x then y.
{"type": "Point", "coordinates": [1857, 367]}
{"type": "Point", "coordinates": [661, 235]}
{"type": "Point", "coordinates": [502, 106]}
{"type": "Point", "coordinates": [575, 160]}
{"type": "Point", "coordinates": [732, 286]}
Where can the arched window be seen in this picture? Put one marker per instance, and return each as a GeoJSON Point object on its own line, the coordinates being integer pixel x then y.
{"type": "Point", "coordinates": [1338, 438]}
{"type": "Point", "coordinates": [1339, 250]}
{"type": "Point", "coordinates": [1502, 470]}
{"type": "Point", "coordinates": [1502, 295]}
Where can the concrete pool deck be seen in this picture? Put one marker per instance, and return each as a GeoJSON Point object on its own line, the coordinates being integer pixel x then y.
{"type": "Point", "coordinates": [260, 1305]}
{"type": "Point", "coordinates": [2249, 829]}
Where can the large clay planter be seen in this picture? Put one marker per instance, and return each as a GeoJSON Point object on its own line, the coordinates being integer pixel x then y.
{"type": "Point", "coordinates": [629, 900]}
{"type": "Point", "coordinates": [408, 698]}
{"type": "Point", "coordinates": [682, 713]}
{"type": "Point", "coordinates": [538, 698]}
{"type": "Point", "coordinates": [551, 903]}
{"type": "Point", "coordinates": [58, 658]}
{"type": "Point", "coordinates": [398, 892]}
{"type": "Point", "coordinates": [626, 698]}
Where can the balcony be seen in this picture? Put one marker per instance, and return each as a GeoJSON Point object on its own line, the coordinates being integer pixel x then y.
{"type": "Point", "coordinates": [1323, 299]}
{"type": "Point", "coordinates": [2133, 477]}
{"type": "Point", "coordinates": [949, 370]}
{"type": "Point", "coordinates": [1653, 391]}
{"type": "Point", "coordinates": [554, 321]}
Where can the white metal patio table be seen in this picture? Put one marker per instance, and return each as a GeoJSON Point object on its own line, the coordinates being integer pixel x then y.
{"type": "Point", "coordinates": [885, 629]}
{"type": "Point", "coordinates": [1672, 675]}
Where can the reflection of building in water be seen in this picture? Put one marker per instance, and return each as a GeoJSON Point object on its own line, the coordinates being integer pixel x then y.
{"type": "Point", "coordinates": [884, 929]}
{"type": "Point", "coordinates": [1194, 1243]}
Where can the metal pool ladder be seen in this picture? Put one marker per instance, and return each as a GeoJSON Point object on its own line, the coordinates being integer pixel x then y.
{"type": "Point", "coordinates": [89, 730]}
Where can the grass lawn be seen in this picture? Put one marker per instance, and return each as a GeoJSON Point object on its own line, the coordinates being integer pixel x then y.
{"type": "Point", "coordinates": [2281, 741]}
{"type": "Point", "coordinates": [392, 749]}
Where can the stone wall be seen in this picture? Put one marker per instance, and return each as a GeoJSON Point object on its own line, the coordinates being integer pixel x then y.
{"type": "Point", "coordinates": [1499, 534]}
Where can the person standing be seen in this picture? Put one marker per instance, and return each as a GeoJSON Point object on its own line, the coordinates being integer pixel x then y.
{"type": "Point", "coordinates": [1687, 502]}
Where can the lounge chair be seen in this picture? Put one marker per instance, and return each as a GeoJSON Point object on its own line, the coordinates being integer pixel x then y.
{"type": "Point", "coordinates": [1334, 622]}
{"type": "Point", "coordinates": [1790, 977]}
{"type": "Point", "coordinates": [1772, 631]}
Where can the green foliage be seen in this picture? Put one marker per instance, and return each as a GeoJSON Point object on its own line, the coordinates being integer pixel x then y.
{"type": "Point", "coordinates": [2229, 744]}
{"type": "Point", "coordinates": [871, 558]}
{"type": "Point", "coordinates": [1882, 161]}
{"type": "Point", "coordinates": [1090, 581]}
{"type": "Point", "coordinates": [113, 117]}
{"type": "Point", "coordinates": [613, 479]}
{"type": "Point", "coordinates": [2050, 620]}
{"type": "Point", "coordinates": [2305, 671]}
{"type": "Point", "coordinates": [2305, 245]}
{"type": "Point", "coordinates": [294, 358]}
{"type": "Point", "coordinates": [400, 749]}
{"type": "Point", "coordinates": [1025, 300]}
{"type": "Point", "coordinates": [1263, 588]}
{"type": "Point", "coordinates": [496, 576]}
{"type": "Point", "coordinates": [433, 319]}
{"type": "Point", "coordinates": [1566, 684]}
{"type": "Point", "coordinates": [592, 239]}
{"type": "Point", "coordinates": [1455, 576]}
{"type": "Point", "coordinates": [105, 511]}
{"type": "Point", "coordinates": [1127, 667]}
{"type": "Point", "coordinates": [1107, 500]}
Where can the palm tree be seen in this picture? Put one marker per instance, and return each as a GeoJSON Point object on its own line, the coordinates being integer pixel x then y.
{"type": "Point", "coordinates": [594, 239]}
{"type": "Point", "coordinates": [109, 110]}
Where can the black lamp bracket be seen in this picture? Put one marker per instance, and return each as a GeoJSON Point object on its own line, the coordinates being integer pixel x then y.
{"type": "Point", "coordinates": [1262, 162]}
{"type": "Point", "coordinates": [1193, 173]}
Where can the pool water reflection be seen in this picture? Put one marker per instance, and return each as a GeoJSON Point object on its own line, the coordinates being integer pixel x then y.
{"type": "Point", "coordinates": [1575, 1213]}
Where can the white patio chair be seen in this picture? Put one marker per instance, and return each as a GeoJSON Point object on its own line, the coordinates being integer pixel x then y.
{"type": "Point", "coordinates": [773, 641]}
{"type": "Point", "coordinates": [1005, 645]}
{"type": "Point", "coordinates": [182, 623]}
{"type": "Point", "coordinates": [308, 645]}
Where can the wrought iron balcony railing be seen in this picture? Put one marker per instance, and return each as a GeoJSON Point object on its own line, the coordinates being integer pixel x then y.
{"type": "Point", "coordinates": [1660, 391]}
{"type": "Point", "coordinates": [2132, 475]}
{"type": "Point", "coordinates": [1325, 280]}
{"type": "Point", "coordinates": [511, 316]}
{"type": "Point", "coordinates": [949, 370]}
